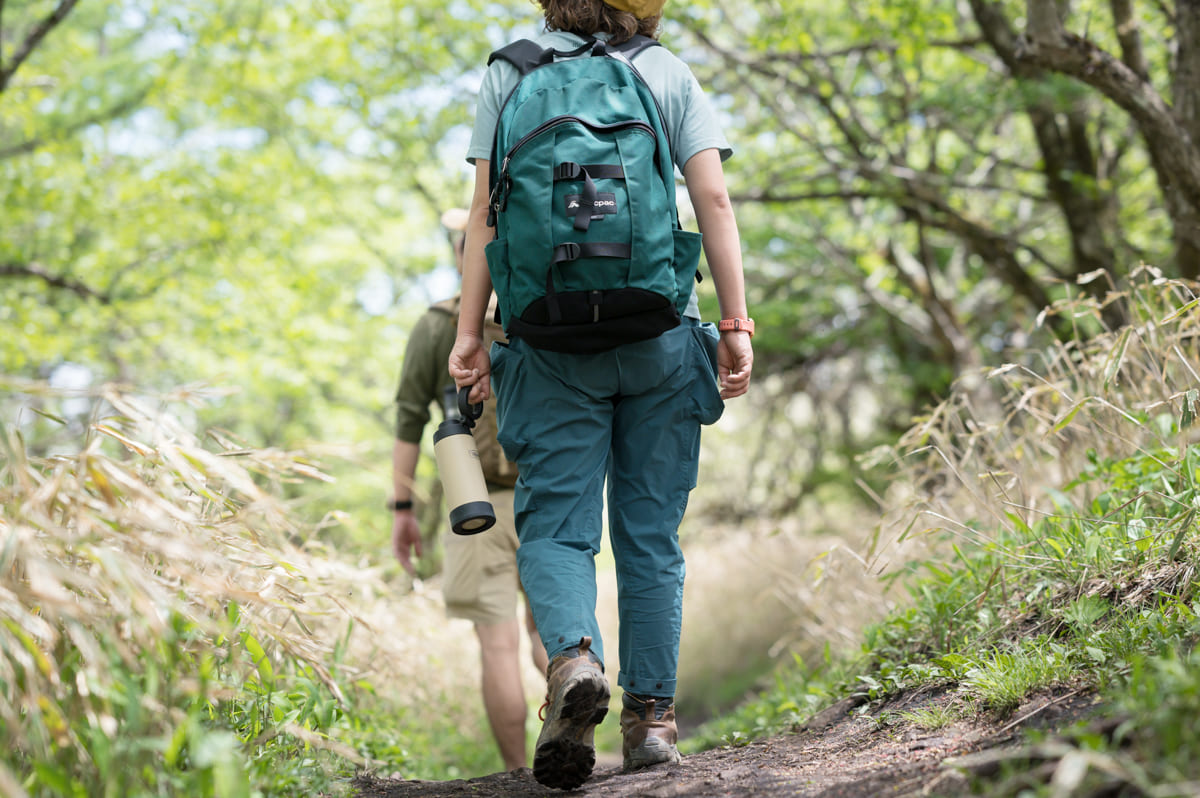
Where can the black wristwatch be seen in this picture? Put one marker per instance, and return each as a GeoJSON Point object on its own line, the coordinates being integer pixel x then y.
{"type": "Point", "coordinates": [400, 504]}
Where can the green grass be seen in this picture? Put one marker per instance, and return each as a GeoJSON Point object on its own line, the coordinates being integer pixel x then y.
{"type": "Point", "coordinates": [1063, 551]}
{"type": "Point", "coordinates": [931, 718]}
{"type": "Point", "coordinates": [1001, 679]}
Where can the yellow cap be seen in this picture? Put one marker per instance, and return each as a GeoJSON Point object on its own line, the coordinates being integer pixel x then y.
{"type": "Point", "coordinates": [639, 8]}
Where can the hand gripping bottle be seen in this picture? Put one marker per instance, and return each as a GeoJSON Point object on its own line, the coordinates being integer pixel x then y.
{"type": "Point", "coordinates": [462, 475]}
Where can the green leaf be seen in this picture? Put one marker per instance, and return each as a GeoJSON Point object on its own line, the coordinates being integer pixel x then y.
{"type": "Point", "coordinates": [1116, 356]}
{"type": "Point", "coordinates": [1054, 544]}
{"type": "Point", "coordinates": [1075, 408]}
{"type": "Point", "coordinates": [259, 655]}
{"type": "Point", "coordinates": [1173, 553]}
{"type": "Point", "coordinates": [1190, 401]}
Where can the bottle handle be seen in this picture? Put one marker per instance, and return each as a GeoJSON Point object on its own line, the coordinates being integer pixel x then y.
{"type": "Point", "coordinates": [470, 412]}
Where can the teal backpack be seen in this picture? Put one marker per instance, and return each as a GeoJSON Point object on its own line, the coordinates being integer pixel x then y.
{"type": "Point", "coordinates": [588, 253]}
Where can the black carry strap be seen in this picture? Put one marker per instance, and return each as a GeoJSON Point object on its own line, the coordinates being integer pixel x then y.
{"type": "Point", "coordinates": [526, 55]}
{"type": "Point", "coordinates": [633, 47]}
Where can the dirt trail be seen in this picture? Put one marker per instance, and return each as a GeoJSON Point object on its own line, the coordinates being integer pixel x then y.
{"type": "Point", "coordinates": [841, 753]}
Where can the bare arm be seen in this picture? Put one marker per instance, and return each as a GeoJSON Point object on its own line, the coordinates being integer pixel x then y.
{"type": "Point", "coordinates": [723, 250]}
{"type": "Point", "coordinates": [469, 361]}
{"type": "Point", "coordinates": [406, 533]}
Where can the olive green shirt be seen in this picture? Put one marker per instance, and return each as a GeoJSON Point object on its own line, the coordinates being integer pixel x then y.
{"type": "Point", "coordinates": [424, 374]}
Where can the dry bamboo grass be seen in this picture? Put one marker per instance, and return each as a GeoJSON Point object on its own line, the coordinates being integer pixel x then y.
{"type": "Point", "coordinates": [105, 554]}
{"type": "Point", "coordinates": [773, 589]}
{"type": "Point", "coordinates": [1009, 437]}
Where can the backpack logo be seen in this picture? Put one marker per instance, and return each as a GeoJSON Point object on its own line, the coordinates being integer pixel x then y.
{"type": "Point", "coordinates": [605, 204]}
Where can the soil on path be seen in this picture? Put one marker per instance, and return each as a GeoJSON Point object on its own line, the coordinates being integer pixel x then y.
{"type": "Point", "coordinates": [847, 751]}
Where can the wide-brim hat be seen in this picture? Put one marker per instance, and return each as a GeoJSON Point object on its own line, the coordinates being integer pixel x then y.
{"type": "Point", "coordinates": [642, 9]}
{"type": "Point", "coordinates": [455, 219]}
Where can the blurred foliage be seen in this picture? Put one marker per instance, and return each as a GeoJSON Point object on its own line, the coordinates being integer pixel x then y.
{"type": "Point", "coordinates": [242, 199]}
{"type": "Point", "coordinates": [246, 195]}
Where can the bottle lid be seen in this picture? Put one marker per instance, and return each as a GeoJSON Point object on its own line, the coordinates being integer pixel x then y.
{"type": "Point", "coordinates": [451, 426]}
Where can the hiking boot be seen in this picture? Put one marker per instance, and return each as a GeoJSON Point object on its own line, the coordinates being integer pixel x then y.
{"type": "Point", "coordinates": [576, 700]}
{"type": "Point", "coordinates": [648, 732]}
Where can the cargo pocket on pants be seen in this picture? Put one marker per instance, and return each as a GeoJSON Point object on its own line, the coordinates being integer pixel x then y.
{"type": "Point", "coordinates": [706, 390]}
{"type": "Point", "coordinates": [506, 374]}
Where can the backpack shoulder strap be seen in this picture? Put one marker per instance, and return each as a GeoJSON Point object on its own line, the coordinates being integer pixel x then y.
{"type": "Point", "coordinates": [634, 46]}
{"type": "Point", "coordinates": [523, 54]}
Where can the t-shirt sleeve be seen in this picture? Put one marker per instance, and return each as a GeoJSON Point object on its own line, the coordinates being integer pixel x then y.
{"type": "Point", "coordinates": [421, 376]}
{"type": "Point", "coordinates": [697, 127]}
{"type": "Point", "coordinates": [487, 113]}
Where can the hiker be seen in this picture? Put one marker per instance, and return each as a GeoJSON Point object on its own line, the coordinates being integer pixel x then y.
{"type": "Point", "coordinates": [600, 380]}
{"type": "Point", "coordinates": [480, 580]}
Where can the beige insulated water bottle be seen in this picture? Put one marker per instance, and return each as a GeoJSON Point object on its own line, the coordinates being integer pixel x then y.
{"type": "Point", "coordinates": [462, 474]}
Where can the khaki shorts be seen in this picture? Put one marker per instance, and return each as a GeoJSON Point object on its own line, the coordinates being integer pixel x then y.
{"type": "Point", "coordinates": [479, 580]}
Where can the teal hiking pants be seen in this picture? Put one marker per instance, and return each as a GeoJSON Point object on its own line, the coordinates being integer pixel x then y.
{"type": "Point", "coordinates": [630, 416]}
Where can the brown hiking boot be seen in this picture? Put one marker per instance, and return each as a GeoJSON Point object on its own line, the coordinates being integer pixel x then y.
{"type": "Point", "coordinates": [576, 700]}
{"type": "Point", "coordinates": [649, 733]}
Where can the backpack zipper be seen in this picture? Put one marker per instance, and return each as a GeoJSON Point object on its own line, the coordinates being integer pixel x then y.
{"type": "Point", "coordinates": [499, 198]}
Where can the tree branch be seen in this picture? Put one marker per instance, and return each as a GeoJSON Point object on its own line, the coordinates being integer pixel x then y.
{"type": "Point", "coordinates": [39, 272]}
{"type": "Point", "coordinates": [34, 38]}
{"type": "Point", "coordinates": [124, 106]}
{"type": "Point", "coordinates": [1043, 20]}
{"type": "Point", "coordinates": [1130, 39]}
{"type": "Point", "coordinates": [1163, 131]}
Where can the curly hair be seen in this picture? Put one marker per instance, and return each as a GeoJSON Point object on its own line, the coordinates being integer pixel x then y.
{"type": "Point", "coordinates": [587, 17]}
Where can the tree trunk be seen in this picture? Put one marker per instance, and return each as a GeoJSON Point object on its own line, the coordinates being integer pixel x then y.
{"type": "Point", "coordinates": [1169, 132]}
{"type": "Point", "coordinates": [1186, 90]}
{"type": "Point", "coordinates": [1066, 152]}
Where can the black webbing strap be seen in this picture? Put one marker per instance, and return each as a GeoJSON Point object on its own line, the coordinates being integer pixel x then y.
{"type": "Point", "coordinates": [600, 171]}
{"type": "Point", "coordinates": [633, 46]}
{"type": "Point", "coordinates": [587, 200]}
{"type": "Point", "coordinates": [525, 55]}
{"type": "Point", "coordinates": [570, 251]}
{"type": "Point", "coordinates": [565, 253]}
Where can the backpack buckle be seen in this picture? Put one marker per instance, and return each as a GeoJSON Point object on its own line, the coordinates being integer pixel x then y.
{"type": "Point", "coordinates": [567, 252]}
{"type": "Point", "coordinates": [568, 170]}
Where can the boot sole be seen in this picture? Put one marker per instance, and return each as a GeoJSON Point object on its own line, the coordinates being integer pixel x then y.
{"type": "Point", "coordinates": [563, 760]}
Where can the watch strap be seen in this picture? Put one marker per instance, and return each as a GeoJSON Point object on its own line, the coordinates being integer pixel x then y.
{"type": "Point", "coordinates": [737, 325]}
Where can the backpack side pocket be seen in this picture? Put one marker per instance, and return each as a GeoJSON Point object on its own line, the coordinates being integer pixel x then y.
{"type": "Point", "coordinates": [496, 251]}
{"type": "Point", "coordinates": [685, 261]}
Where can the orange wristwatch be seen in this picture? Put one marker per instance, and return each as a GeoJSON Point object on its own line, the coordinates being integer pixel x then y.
{"type": "Point", "coordinates": [744, 325]}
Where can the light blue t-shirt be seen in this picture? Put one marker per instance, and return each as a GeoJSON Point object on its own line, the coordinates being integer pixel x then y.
{"type": "Point", "coordinates": [688, 116]}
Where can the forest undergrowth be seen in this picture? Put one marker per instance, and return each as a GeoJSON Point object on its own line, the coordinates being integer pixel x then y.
{"type": "Point", "coordinates": [1055, 499]}
{"type": "Point", "coordinates": [168, 627]}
